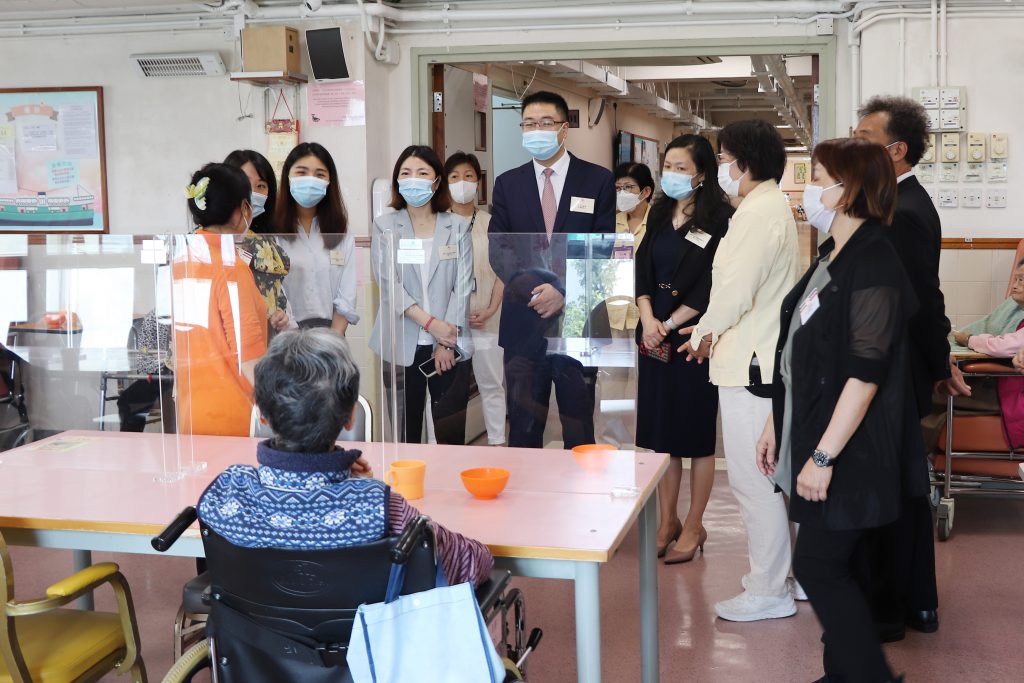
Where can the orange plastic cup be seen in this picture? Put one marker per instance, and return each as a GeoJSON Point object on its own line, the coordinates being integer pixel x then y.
{"type": "Point", "coordinates": [485, 483]}
{"type": "Point", "coordinates": [406, 477]}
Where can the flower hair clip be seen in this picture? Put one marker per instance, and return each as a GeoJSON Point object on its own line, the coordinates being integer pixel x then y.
{"type": "Point", "coordinates": [197, 192]}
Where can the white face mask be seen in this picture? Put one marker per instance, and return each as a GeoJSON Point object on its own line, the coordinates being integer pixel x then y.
{"type": "Point", "coordinates": [463, 192]}
{"type": "Point", "coordinates": [626, 201]}
{"type": "Point", "coordinates": [818, 215]}
{"type": "Point", "coordinates": [725, 180]}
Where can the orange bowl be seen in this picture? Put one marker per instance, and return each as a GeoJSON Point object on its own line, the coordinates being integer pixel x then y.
{"type": "Point", "coordinates": [592, 457]}
{"type": "Point", "coordinates": [485, 483]}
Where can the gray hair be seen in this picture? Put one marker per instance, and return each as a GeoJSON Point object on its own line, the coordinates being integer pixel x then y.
{"type": "Point", "coordinates": [306, 387]}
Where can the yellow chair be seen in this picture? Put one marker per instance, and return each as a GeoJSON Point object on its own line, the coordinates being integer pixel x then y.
{"type": "Point", "coordinates": [42, 643]}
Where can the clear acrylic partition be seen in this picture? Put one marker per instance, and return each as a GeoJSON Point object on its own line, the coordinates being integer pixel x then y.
{"type": "Point", "coordinates": [85, 330]}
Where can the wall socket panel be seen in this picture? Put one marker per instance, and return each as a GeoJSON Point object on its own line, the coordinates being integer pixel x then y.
{"type": "Point", "coordinates": [971, 199]}
{"type": "Point", "coordinates": [995, 199]}
{"type": "Point", "coordinates": [949, 173]}
{"type": "Point", "coordinates": [947, 199]}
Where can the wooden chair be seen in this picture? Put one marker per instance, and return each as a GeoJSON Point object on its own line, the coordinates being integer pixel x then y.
{"type": "Point", "coordinates": [43, 641]}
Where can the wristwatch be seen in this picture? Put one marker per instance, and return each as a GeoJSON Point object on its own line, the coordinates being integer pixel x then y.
{"type": "Point", "coordinates": [670, 324]}
{"type": "Point", "coordinates": [822, 459]}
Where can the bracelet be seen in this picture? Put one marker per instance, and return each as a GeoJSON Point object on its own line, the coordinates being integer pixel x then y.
{"type": "Point", "coordinates": [670, 324]}
{"type": "Point", "coordinates": [426, 328]}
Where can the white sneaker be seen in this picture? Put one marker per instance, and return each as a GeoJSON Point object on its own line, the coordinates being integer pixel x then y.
{"type": "Point", "coordinates": [749, 607]}
{"type": "Point", "coordinates": [796, 590]}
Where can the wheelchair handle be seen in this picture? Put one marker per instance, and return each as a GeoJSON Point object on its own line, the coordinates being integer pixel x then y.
{"type": "Point", "coordinates": [531, 645]}
{"type": "Point", "coordinates": [409, 538]}
{"type": "Point", "coordinates": [166, 538]}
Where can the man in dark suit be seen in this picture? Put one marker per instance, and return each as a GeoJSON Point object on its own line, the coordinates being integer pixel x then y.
{"type": "Point", "coordinates": [902, 569]}
{"type": "Point", "coordinates": [533, 208]}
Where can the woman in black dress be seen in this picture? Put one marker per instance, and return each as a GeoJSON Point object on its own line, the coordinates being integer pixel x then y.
{"type": "Point", "coordinates": [677, 407]}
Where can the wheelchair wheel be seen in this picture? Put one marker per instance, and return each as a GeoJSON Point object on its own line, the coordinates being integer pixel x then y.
{"type": "Point", "coordinates": [944, 519]}
{"type": "Point", "coordinates": [195, 659]}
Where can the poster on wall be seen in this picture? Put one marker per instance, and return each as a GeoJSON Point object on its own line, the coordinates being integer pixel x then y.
{"type": "Point", "coordinates": [52, 161]}
{"type": "Point", "coordinates": [336, 103]}
{"type": "Point", "coordinates": [645, 151]}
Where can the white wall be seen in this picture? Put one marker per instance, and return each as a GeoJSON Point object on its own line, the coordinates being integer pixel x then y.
{"type": "Point", "coordinates": [986, 56]}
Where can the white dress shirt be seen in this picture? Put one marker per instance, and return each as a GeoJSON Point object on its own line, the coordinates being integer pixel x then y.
{"type": "Point", "coordinates": [560, 168]}
{"type": "Point", "coordinates": [904, 176]}
{"type": "Point", "coordinates": [320, 281]}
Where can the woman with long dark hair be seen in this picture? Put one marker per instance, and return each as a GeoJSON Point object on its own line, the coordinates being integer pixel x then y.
{"type": "Point", "coordinates": [677, 406]}
{"type": "Point", "coordinates": [310, 214]}
{"type": "Point", "coordinates": [268, 261]}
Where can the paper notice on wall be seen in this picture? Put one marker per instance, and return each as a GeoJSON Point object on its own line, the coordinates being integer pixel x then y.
{"type": "Point", "coordinates": [278, 147]}
{"type": "Point", "coordinates": [8, 160]}
{"type": "Point", "coordinates": [78, 130]}
{"type": "Point", "coordinates": [480, 93]}
{"type": "Point", "coordinates": [38, 137]}
{"type": "Point", "coordinates": [62, 174]}
{"type": "Point", "coordinates": [340, 103]}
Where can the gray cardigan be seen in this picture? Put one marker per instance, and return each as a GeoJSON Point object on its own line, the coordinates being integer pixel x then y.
{"type": "Point", "coordinates": [448, 289]}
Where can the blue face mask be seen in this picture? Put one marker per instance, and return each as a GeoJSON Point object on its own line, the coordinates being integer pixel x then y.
{"type": "Point", "coordinates": [307, 191]}
{"type": "Point", "coordinates": [416, 191]}
{"type": "Point", "coordinates": [259, 202]}
{"type": "Point", "coordinates": [677, 185]}
{"type": "Point", "coordinates": [541, 144]}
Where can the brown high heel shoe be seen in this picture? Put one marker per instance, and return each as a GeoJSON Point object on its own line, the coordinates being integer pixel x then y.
{"type": "Point", "coordinates": [679, 557]}
{"type": "Point", "coordinates": [675, 537]}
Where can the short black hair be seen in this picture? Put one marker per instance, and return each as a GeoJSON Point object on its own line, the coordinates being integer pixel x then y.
{"type": "Point", "coordinates": [441, 201]}
{"type": "Point", "coordinates": [263, 223]}
{"type": "Point", "coordinates": [547, 97]}
{"type": "Point", "coordinates": [908, 123]}
{"type": "Point", "coordinates": [757, 146]}
{"type": "Point", "coordinates": [227, 189]}
{"type": "Point", "coordinates": [637, 172]}
{"type": "Point", "coordinates": [460, 158]}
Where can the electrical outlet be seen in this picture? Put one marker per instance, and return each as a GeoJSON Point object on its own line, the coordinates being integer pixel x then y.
{"type": "Point", "coordinates": [971, 199]}
{"type": "Point", "coordinates": [950, 119]}
{"type": "Point", "coordinates": [926, 173]}
{"type": "Point", "coordinates": [996, 171]}
{"type": "Point", "coordinates": [950, 147]}
{"type": "Point", "coordinates": [974, 173]}
{"type": "Point", "coordinates": [995, 199]}
{"type": "Point", "coordinates": [949, 173]}
{"type": "Point", "coordinates": [949, 98]}
{"type": "Point", "coordinates": [975, 147]}
{"type": "Point", "coordinates": [933, 119]}
{"type": "Point", "coordinates": [928, 97]}
{"type": "Point", "coordinates": [947, 199]}
{"type": "Point", "coordinates": [1000, 147]}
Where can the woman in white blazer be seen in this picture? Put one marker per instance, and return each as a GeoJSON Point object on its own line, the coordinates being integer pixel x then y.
{"type": "Point", "coordinates": [423, 263]}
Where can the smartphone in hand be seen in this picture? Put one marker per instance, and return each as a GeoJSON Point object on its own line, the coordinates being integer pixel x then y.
{"type": "Point", "coordinates": [429, 367]}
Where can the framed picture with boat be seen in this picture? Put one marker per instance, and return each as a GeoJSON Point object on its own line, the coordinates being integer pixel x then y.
{"type": "Point", "coordinates": [52, 161]}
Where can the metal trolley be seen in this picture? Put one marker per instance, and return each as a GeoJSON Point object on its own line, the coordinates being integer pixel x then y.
{"type": "Point", "coordinates": [978, 462]}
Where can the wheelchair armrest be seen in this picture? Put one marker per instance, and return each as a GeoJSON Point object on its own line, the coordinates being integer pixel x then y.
{"type": "Point", "coordinates": [488, 593]}
{"type": "Point", "coordinates": [412, 535]}
{"type": "Point", "coordinates": [989, 367]}
{"type": "Point", "coordinates": [166, 538]}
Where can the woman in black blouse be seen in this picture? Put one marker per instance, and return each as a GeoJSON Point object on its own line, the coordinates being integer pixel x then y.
{"type": "Point", "coordinates": [847, 412]}
{"type": "Point", "coordinates": [677, 406]}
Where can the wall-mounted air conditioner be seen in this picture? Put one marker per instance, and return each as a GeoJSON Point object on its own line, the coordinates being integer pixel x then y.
{"type": "Point", "coordinates": [179, 64]}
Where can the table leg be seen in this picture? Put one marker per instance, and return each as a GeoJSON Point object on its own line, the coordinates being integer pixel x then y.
{"type": "Point", "coordinates": [588, 622]}
{"type": "Point", "coordinates": [649, 591]}
{"type": "Point", "coordinates": [81, 559]}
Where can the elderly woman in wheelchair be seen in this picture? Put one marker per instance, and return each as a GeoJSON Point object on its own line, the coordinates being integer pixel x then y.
{"type": "Point", "coordinates": [295, 545]}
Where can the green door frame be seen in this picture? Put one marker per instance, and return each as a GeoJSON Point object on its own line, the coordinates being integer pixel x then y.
{"type": "Point", "coordinates": [823, 46]}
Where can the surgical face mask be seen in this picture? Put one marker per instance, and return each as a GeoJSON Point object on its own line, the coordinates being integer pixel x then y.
{"type": "Point", "coordinates": [307, 191]}
{"type": "Point", "coordinates": [541, 144]}
{"type": "Point", "coordinates": [416, 191]}
{"type": "Point", "coordinates": [259, 202]}
{"type": "Point", "coordinates": [626, 201]}
{"type": "Point", "coordinates": [818, 215]}
{"type": "Point", "coordinates": [729, 186]}
{"type": "Point", "coordinates": [677, 185]}
{"type": "Point", "coordinates": [463, 192]}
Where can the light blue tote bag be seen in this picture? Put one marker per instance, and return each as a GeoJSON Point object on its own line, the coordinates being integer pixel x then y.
{"type": "Point", "coordinates": [438, 635]}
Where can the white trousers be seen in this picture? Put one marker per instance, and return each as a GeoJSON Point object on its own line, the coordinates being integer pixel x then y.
{"type": "Point", "coordinates": [764, 511]}
{"type": "Point", "coordinates": [489, 370]}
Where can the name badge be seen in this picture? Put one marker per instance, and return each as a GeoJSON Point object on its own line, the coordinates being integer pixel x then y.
{"type": "Point", "coordinates": [413, 257]}
{"type": "Point", "coordinates": [410, 244]}
{"type": "Point", "coordinates": [809, 306]}
{"type": "Point", "coordinates": [448, 252]}
{"type": "Point", "coordinates": [624, 251]}
{"type": "Point", "coordinates": [337, 257]}
{"type": "Point", "coordinates": [581, 205]}
{"type": "Point", "coordinates": [698, 237]}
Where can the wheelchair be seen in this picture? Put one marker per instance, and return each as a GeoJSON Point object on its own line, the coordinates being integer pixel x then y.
{"type": "Point", "coordinates": [280, 615]}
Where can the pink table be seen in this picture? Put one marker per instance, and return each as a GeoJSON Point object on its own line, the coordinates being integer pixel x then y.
{"type": "Point", "coordinates": [90, 491]}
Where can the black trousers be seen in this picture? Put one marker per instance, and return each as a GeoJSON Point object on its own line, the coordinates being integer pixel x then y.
{"type": "Point", "coordinates": [528, 381]}
{"type": "Point", "coordinates": [449, 397]}
{"type": "Point", "coordinates": [139, 397]}
{"type": "Point", "coordinates": [901, 564]}
{"type": "Point", "coordinates": [823, 564]}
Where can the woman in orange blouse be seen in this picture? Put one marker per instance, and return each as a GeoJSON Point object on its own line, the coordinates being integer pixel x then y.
{"type": "Point", "coordinates": [220, 317]}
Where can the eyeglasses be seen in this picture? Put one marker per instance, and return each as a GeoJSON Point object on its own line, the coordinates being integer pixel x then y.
{"type": "Point", "coordinates": [544, 124]}
{"type": "Point", "coordinates": [628, 188]}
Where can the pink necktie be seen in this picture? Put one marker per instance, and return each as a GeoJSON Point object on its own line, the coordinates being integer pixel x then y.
{"type": "Point", "coordinates": [547, 202]}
